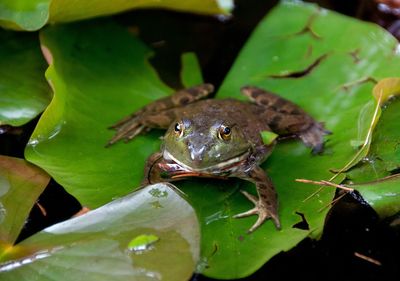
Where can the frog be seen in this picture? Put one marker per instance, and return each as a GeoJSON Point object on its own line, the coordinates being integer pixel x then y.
{"type": "Point", "coordinates": [221, 139]}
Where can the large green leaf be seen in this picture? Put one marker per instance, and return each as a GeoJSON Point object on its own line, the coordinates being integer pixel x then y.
{"type": "Point", "coordinates": [21, 183]}
{"type": "Point", "coordinates": [152, 234]}
{"type": "Point", "coordinates": [326, 63]}
{"type": "Point", "coordinates": [24, 92]}
{"type": "Point", "coordinates": [100, 73]}
{"type": "Point", "coordinates": [34, 14]}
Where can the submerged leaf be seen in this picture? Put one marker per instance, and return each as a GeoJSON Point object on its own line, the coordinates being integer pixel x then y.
{"type": "Point", "coordinates": [94, 246]}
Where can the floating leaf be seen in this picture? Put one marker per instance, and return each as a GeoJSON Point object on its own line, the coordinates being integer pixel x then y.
{"type": "Point", "coordinates": [301, 59]}
{"type": "Point", "coordinates": [382, 195]}
{"type": "Point", "coordinates": [95, 246]}
{"type": "Point", "coordinates": [21, 60]}
{"type": "Point", "coordinates": [34, 14]}
{"type": "Point", "coordinates": [21, 184]}
{"type": "Point", "coordinates": [100, 74]}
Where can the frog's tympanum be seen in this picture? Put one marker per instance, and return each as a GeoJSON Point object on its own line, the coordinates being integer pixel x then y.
{"type": "Point", "coordinates": [220, 138]}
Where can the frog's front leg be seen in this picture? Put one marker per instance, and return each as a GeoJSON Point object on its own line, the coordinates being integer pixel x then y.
{"type": "Point", "coordinates": [158, 114]}
{"type": "Point", "coordinates": [286, 118]}
{"type": "Point", "coordinates": [266, 205]}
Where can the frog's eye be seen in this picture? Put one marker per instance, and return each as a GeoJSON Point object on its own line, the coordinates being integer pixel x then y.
{"type": "Point", "coordinates": [178, 129]}
{"type": "Point", "coordinates": [224, 133]}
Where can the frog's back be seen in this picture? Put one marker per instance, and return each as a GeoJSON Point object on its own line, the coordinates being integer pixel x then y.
{"type": "Point", "coordinates": [232, 113]}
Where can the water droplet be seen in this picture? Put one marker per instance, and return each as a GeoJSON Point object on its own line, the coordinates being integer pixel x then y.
{"type": "Point", "coordinates": [142, 243]}
{"type": "Point", "coordinates": [27, 260]}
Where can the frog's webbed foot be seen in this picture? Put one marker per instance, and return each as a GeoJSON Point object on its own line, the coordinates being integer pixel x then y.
{"type": "Point", "coordinates": [158, 114]}
{"type": "Point", "coordinates": [261, 210]}
{"type": "Point", "coordinates": [314, 137]}
{"type": "Point", "coordinates": [266, 205]}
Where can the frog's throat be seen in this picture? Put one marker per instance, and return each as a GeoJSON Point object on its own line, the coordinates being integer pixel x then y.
{"type": "Point", "coordinates": [218, 167]}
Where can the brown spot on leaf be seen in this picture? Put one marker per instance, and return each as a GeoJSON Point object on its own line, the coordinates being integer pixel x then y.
{"type": "Point", "coordinates": [301, 73]}
{"type": "Point", "coordinates": [308, 29]}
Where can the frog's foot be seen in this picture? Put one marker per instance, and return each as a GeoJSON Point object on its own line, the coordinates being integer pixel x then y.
{"type": "Point", "coordinates": [262, 210]}
{"type": "Point", "coordinates": [314, 137]}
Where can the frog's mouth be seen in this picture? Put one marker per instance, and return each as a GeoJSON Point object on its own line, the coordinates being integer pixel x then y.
{"type": "Point", "coordinates": [220, 167]}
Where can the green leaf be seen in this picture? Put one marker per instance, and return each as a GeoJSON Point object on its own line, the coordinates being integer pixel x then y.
{"type": "Point", "coordinates": [383, 195]}
{"type": "Point", "coordinates": [384, 154]}
{"type": "Point", "coordinates": [191, 71]}
{"type": "Point", "coordinates": [96, 246]}
{"type": "Point", "coordinates": [21, 60]}
{"type": "Point", "coordinates": [21, 184]}
{"type": "Point", "coordinates": [317, 59]}
{"type": "Point", "coordinates": [34, 14]}
{"type": "Point", "coordinates": [24, 14]}
{"type": "Point", "coordinates": [100, 74]}
{"type": "Point", "coordinates": [268, 137]}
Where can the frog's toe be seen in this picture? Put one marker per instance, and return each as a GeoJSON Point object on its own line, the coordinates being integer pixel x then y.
{"type": "Point", "coordinates": [314, 137]}
{"type": "Point", "coordinates": [261, 210]}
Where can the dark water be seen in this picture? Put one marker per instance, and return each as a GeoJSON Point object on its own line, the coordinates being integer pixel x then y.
{"type": "Point", "coordinates": [351, 227]}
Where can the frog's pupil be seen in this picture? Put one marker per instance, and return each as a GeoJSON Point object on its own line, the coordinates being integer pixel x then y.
{"type": "Point", "coordinates": [177, 127]}
{"type": "Point", "coordinates": [227, 131]}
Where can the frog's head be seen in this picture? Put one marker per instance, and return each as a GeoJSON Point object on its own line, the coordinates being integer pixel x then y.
{"type": "Point", "coordinates": [205, 144]}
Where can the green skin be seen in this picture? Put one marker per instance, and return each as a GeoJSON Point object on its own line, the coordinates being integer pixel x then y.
{"type": "Point", "coordinates": [221, 139]}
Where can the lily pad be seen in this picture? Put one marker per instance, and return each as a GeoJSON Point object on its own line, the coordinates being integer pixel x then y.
{"type": "Point", "coordinates": [21, 183]}
{"type": "Point", "coordinates": [301, 59]}
{"type": "Point", "coordinates": [21, 60]}
{"type": "Point", "coordinates": [95, 246]}
{"type": "Point", "coordinates": [382, 195]}
{"type": "Point", "coordinates": [34, 14]}
{"type": "Point", "coordinates": [100, 74]}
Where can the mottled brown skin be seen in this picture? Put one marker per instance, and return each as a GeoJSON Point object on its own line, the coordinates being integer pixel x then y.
{"type": "Point", "coordinates": [196, 143]}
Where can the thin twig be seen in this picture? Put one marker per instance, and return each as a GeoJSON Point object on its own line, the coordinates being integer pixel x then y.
{"type": "Point", "coordinates": [365, 144]}
{"type": "Point", "coordinates": [369, 259]}
{"type": "Point", "coordinates": [326, 183]}
{"type": "Point", "coordinates": [334, 201]}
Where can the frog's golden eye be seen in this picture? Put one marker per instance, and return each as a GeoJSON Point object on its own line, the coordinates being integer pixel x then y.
{"type": "Point", "coordinates": [178, 129]}
{"type": "Point", "coordinates": [224, 133]}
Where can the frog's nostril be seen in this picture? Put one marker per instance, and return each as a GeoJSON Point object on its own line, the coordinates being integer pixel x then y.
{"type": "Point", "coordinates": [196, 153]}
